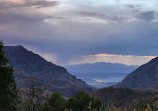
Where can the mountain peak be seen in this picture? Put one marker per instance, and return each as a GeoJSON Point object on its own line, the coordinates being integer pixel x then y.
{"type": "Point", "coordinates": [143, 77]}
{"type": "Point", "coordinates": [17, 46]}
{"type": "Point", "coordinates": [50, 76]}
{"type": "Point", "coordinates": [154, 60]}
{"type": "Point", "coordinates": [20, 46]}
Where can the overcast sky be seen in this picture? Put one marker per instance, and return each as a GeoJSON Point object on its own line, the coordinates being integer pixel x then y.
{"type": "Point", "coordinates": [83, 31]}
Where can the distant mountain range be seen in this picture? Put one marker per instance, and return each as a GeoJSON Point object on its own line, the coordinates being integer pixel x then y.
{"type": "Point", "coordinates": [139, 87]}
{"type": "Point", "coordinates": [101, 74]}
{"type": "Point", "coordinates": [146, 76]}
{"type": "Point", "coordinates": [100, 68]}
{"type": "Point", "coordinates": [55, 78]}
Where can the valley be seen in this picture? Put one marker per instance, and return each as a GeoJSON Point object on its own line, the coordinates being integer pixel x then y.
{"type": "Point", "coordinates": [101, 74]}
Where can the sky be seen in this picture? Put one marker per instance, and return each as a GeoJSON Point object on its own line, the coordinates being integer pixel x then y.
{"type": "Point", "coordinates": [83, 31]}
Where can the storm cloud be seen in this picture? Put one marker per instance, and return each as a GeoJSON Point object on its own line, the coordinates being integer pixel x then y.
{"type": "Point", "coordinates": [67, 30]}
{"type": "Point", "coordinates": [147, 16]}
{"type": "Point", "coordinates": [26, 3]}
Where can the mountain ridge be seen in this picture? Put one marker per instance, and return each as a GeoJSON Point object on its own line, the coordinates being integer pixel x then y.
{"type": "Point", "coordinates": [101, 67]}
{"type": "Point", "coordinates": [145, 76]}
{"type": "Point", "coordinates": [101, 74]}
{"type": "Point", "coordinates": [50, 76]}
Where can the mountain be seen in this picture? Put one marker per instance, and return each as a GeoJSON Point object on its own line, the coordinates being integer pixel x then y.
{"type": "Point", "coordinates": [100, 74]}
{"type": "Point", "coordinates": [28, 65]}
{"type": "Point", "coordinates": [100, 67]}
{"type": "Point", "coordinates": [146, 76]}
{"type": "Point", "coordinates": [138, 88]}
{"type": "Point", "coordinates": [124, 97]}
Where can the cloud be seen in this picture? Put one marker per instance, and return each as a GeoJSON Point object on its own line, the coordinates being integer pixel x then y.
{"type": "Point", "coordinates": [115, 18]}
{"type": "Point", "coordinates": [112, 58]}
{"type": "Point", "coordinates": [146, 16]}
{"type": "Point", "coordinates": [50, 57]}
{"type": "Point", "coordinates": [24, 11]}
{"type": "Point", "coordinates": [70, 29]}
{"type": "Point", "coordinates": [132, 6]}
{"type": "Point", "coordinates": [76, 40]}
{"type": "Point", "coordinates": [24, 19]}
{"type": "Point", "coordinates": [26, 3]}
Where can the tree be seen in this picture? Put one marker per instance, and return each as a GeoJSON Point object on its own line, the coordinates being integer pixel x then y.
{"type": "Point", "coordinates": [8, 93]}
{"type": "Point", "coordinates": [97, 104]}
{"type": "Point", "coordinates": [32, 97]}
{"type": "Point", "coordinates": [55, 103]}
{"type": "Point", "coordinates": [83, 101]}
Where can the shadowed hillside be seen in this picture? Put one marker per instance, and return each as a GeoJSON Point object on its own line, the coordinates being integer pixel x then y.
{"type": "Point", "coordinates": [48, 75]}
{"type": "Point", "coordinates": [146, 76]}
{"type": "Point", "coordinates": [122, 97]}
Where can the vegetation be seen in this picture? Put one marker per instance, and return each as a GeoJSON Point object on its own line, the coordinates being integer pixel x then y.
{"type": "Point", "coordinates": [123, 97]}
{"type": "Point", "coordinates": [8, 94]}
{"type": "Point", "coordinates": [33, 98]}
{"type": "Point", "coordinates": [82, 101]}
{"type": "Point", "coordinates": [55, 103]}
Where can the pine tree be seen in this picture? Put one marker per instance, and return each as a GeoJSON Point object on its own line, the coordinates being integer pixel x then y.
{"type": "Point", "coordinates": [56, 103]}
{"type": "Point", "coordinates": [8, 94]}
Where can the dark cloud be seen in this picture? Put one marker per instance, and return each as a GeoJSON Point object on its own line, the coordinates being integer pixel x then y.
{"type": "Point", "coordinates": [133, 6]}
{"type": "Point", "coordinates": [115, 18]}
{"type": "Point", "coordinates": [27, 3]}
{"type": "Point", "coordinates": [126, 39]}
{"type": "Point", "coordinates": [22, 16]}
{"type": "Point", "coordinates": [23, 13]}
{"type": "Point", "coordinates": [142, 15]}
{"type": "Point", "coordinates": [23, 19]}
{"type": "Point", "coordinates": [69, 35]}
{"type": "Point", "coordinates": [147, 16]}
{"type": "Point", "coordinates": [41, 3]}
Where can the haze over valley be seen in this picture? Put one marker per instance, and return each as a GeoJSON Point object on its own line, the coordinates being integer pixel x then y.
{"type": "Point", "coordinates": [101, 74]}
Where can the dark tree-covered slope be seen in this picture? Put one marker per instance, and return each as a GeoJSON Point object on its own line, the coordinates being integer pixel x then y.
{"type": "Point", "coordinates": [122, 97]}
{"type": "Point", "coordinates": [146, 76]}
{"type": "Point", "coordinates": [48, 75]}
